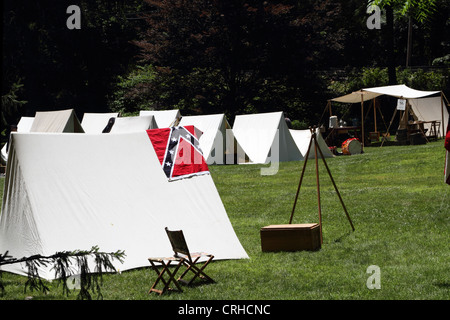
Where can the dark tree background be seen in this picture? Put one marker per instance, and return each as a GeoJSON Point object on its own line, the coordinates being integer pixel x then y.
{"type": "Point", "coordinates": [61, 68]}
{"type": "Point", "coordinates": [210, 56]}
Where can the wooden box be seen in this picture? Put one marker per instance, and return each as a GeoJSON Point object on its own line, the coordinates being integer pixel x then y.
{"type": "Point", "coordinates": [290, 237]}
{"type": "Point", "coordinates": [374, 136]}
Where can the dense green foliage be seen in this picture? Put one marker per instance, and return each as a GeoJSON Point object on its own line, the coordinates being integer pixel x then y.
{"type": "Point", "coordinates": [210, 56]}
{"type": "Point", "coordinates": [395, 196]}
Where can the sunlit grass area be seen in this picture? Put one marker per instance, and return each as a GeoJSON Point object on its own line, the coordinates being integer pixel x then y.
{"type": "Point", "coordinates": [398, 203]}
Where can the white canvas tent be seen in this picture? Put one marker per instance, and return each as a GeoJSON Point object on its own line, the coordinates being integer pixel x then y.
{"type": "Point", "coordinates": [302, 139]}
{"type": "Point", "coordinates": [217, 141]}
{"type": "Point", "coordinates": [265, 137]}
{"type": "Point", "coordinates": [163, 118]}
{"type": "Point", "coordinates": [429, 109]}
{"type": "Point", "coordinates": [56, 121]}
{"type": "Point", "coordinates": [133, 124]}
{"type": "Point", "coordinates": [96, 122]}
{"type": "Point", "coordinates": [64, 192]}
{"type": "Point", "coordinates": [24, 125]}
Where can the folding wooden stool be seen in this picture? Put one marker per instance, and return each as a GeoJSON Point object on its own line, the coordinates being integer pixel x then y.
{"type": "Point", "coordinates": [165, 263]}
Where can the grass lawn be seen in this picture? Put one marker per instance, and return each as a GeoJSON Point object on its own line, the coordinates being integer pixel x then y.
{"type": "Point", "coordinates": [395, 196]}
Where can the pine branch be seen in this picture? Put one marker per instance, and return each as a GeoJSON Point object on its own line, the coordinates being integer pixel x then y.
{"type": "Point", "coordinates": [62, 264]}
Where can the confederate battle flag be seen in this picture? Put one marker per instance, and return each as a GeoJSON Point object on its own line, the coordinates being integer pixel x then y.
{"type": "Point", "coordinates": [178, 151]}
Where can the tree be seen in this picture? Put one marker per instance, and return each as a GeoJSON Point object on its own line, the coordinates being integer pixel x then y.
{"type": "Point", "coordinates": [239, 56]}
{"type": "Point", "coordinates": [419, 10]}
{"type": "Point", "coordinates": [61, 68]}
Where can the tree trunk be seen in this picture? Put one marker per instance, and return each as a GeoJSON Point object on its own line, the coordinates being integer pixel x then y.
{"type": "Point", "coordinates": [390, 45]}
{"type": "Point", "coordinates": [409, 45]}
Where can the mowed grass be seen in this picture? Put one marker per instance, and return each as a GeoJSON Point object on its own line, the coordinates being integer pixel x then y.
{"type": "Point", "coordinates": [395, 196]}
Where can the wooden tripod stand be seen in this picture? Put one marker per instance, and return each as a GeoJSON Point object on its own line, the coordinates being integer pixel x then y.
{"type": "Point", "coordinates": [317, 148]}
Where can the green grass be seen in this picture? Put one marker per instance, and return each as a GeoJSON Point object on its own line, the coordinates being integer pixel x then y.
{"type": "Point", "coordinates": [398, 203]}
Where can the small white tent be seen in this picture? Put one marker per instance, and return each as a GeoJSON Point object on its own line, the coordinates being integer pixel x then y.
{"type": "Point", "coordinates": [302, 139]}
{"type": "Point", "coordinates": [63, 192]}
{"type": "Point", "coordinates": [96, 122]}
{"type": "Point", "coordinates": [133, 124]}
{"type": "Point", "coordinates": [56, 121]}
{"type": "Point", "coordinates": [24, 125]}
{"type": "Point", "coordinates": [429, 109]}
{"type": "Point", "coordinates": [217, 141]}
{"type": "Point", "coordinates": [163, 118]}
{"type": "Point", "coordinates": [265, 137]}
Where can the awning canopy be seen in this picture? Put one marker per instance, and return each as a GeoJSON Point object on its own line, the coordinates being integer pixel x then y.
{"type": "Point", "coordinates": [355, 97]}
{"type": "Point", "coordinates": [399, 91]}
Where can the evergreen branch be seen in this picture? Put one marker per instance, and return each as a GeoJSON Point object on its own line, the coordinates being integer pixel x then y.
{"type": "Point", "coordinates": [62, 265]}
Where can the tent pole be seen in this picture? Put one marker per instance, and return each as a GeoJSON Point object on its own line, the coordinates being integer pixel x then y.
{"type": "Point", "coordinates": [337, 191]}
{"type": "Point", "coordinates": [442, 114]}
{"type": "Point", "coordinates": [390, 123]}
{"type": "Point", "coordinates": [382, 116]}
{"type": "Point", "coordinates": [375, 113]}
{"type": "Point", "coordinates": [327, 107]}
{"type": "Point", "coordinates": [301, 179]}
{"type": "Point", "coordinates": [406, 116]}
{"type": "Point", "coordinates": [442, 93]}
{"type": "Point", "coordinates": [316, 148]}
{"type": "Point", "coordinates": [313, 134]}
{"type": "Point", "coordinates": [362, 121]}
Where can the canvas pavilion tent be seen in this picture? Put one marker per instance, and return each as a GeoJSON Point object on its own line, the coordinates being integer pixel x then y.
{"type": "Point", "coordinates": [302, 139]}
{"type": "Point", "coordinates": [133, 124]}
{"type": "Point", "coordinates": [63, 192]}
{"type": "Point", "coordinates": [265, 137]}
{"type": "Point", "coordinates": [96, 122]}
{"type": "Point", "coordinates": [56, 121]}
{"type": "Point", "coordinates": [425, 110]}
{"type": "Point", "coordinates": [217, 141]}
{"type": "Point", "coordinates": [163, 118]}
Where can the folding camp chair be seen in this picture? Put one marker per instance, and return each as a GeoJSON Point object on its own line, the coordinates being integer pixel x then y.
{"type": "Point", "coordinates": [189, 259]}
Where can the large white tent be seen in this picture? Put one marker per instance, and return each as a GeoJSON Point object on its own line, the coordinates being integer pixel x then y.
{"type": "Point", "coordinates": [265, 137]}
{"type": "Point", "coordinates": [96, 122]}
{"type": "Point", "coordinates": [64, 192]}
{"type": "Point", "coordinates": [133, 124]}
{"type": "Point", "coordinates": [302, 139]}
{"type": "Point", "coordinates": [217, 141]}
{"type": "Point", "coordinates": [163, 118]}
{"type": "Point", "coordinates": [56, 121]}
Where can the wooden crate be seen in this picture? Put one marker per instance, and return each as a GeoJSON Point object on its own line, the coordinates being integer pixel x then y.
{"type": "Point", "coordinates": [290, 237]}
